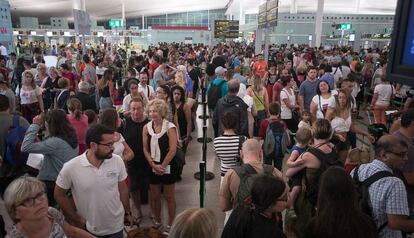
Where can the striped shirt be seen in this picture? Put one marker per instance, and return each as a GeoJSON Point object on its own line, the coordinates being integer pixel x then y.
{"type": "Point", "coordinates": [387, 195]}
{"type": "Point", "coordinates": [227, 149]}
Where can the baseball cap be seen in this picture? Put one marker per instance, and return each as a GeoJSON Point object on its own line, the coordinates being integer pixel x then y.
{"type": "Point", "coordinates": [220, 70]}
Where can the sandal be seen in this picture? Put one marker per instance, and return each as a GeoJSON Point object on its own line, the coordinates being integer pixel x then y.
{"type": "Point", "coordinates": [166, 231]}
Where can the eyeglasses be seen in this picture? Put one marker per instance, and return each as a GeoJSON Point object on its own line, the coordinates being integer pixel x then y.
{"type": "Point", "coordinates": [111, 144]}
{"type": "Point", "coordinates": [29, 202]}
{"type": "Point", "coordinates": [400, 154]}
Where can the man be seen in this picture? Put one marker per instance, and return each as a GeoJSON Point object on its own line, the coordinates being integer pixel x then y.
{"type": "Point", "coordinates": [252, 155]}
{"type": "Point", "coordinates": [131, 74]}
{"type": "Point", "coordinates": [220, 73]}
{"type": "Point", "coordinates": [97, 181]}
{"type": "Point", "coordinates": [3, 50]}
{"type": "Point", "coordinates": [308, 89]}
{"type": "Point", "coordinates": [195, 75]}
{"type": "Point", "coordinates": [87, 101]}
{"type": "Point", "coordinates": [138, 169]}
{"type": "Point", "coordinates": [231, 102]}
{"type": "Point", "coordinates": [143, 87]}
{"type": "Point", "coordinates": [406, 133]}
{"type": "Point", "coordinates": [260, 66]}
{"type": "Point", "coordinates": [11, 65]}
{"type": "Point", "coordinates": [6, 120]}
{"type": "Point", "coordinates": [5, 90]}
{"type": "Point", "coordinates": [238, 76]}
{"type": "Point", "coordinates": [3, 70]}
{"type": "Point", "coordinates": [388, 196]}
{"type": "Point", "coordinates": [160, 76]}
{"type": "Point", "coordinates": [87, 71]}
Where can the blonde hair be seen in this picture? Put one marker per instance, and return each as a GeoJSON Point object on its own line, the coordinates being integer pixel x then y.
{"type": "Point", "coordinates": [24, 81]}
{"type": "Point", "coordinates": [303, 135]}
{"type": "Point", "coordinates": [63, 82]}
{"type": "Point", "coordinates": [41, 65]}
{"type": "Point", "coordinates": [18, 191]}
{"type": "Point", "coordinates": [159, 105]}
{"type": "Point", "coordinates": [257, 84]}
{"type": "Point", "coordinates": [194, 223]}
{"type": "Point", "coordinates": [180, 79]}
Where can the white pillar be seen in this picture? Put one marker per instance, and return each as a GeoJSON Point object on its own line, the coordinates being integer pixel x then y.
{"type": "Point", "coordinates": [79, 4]}
{"type": "Point", "coordinates": [123, 14]}
{"type": "Point", "coordinates": [318, 23]}
{"type": "Point", "coordinates": [242, 16]}
{"type": "Point", "coordinates": [294, 7]}
{"type": "Point", "coordinates": [259, 41]}
{"type": "Point", "coordinates": [143, 22]}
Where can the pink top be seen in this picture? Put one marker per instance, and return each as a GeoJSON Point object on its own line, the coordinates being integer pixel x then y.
{"type": "Point", "coordinates": [80, 126]}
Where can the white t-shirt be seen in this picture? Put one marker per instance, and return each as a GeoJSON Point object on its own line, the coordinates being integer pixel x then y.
{"type": "Point", "coordinates": [119, 146]}
{"type": "Point", "coordinates": [95, 192]}
{"type": "Point", "coordinates": [323, 104]}
{"type": "Point", "coordinates": [146, 89]}
{"type": "Point", "coordinates": [249, 101]}
{"type": "Point", "coordinates": [125, 102]}
{"type": "Point", "coordinates": [242, 91]}
{"type": "Point", "coordinates": [3, 50]}
{"type": "Point", "coordinates": [384, 92]}
{"type": "Point", "coordinates": [285, 112]}
{"type": "Point", "coordinates": [30, 96]}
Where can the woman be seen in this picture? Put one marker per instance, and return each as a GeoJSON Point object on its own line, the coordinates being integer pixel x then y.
{"type": "Point", "coordinates": [31, 100]}
{"type": "Point", "coordinates": [182, 115]}
{"type": "Point", "coordinates": [323, 100]}
{"type": "Point", "coordinates": [18, 73]}
{"type": "Point", "coordinates": [163, 92]}
{"type": "Point", "coordinates": [288, 104]}
{"type": "Point", "coordinates": [41, 74]}
{"type": "Point", "coordinates": [261, 101]}
{"type": "Point", "coordinates": [105, 87]}
{"type": "Point", "coordinates": [321, 150]}
{"type": "Point", "coordinates": [337, 195]}
{"type": "Point", "coordinates": [184, 81]}
{"type": "Point", "coordinates": [110, 118]}
{"type": "Point", "coordinates": [194, 223]}
{"type": "Point", "coordinates": [49, 84]}
{"type": "Point", "coordinates": [78, 120]}
{"type": "Point", "coordinates": [341, 122]}
{"type": "Point", "coordinates": [60, 146]}
{"type": "Point", "coordinates": [26, 203]}
{"type": "Point", "coordinates": [228, 145]}
{"type": "Point", "coordinates": [383, 95]}
{"type": "Point", "coordinates": [160, 143]}
{"type": "Point", "coordinates": [269, 196]}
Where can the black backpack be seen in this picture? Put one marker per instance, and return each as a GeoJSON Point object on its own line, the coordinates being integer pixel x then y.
{"type": "Point", "coordinates": [363, 197]}
{"type": "Point", "coordinates": [247, 175]}
{"type": "Point", "coordinates": [214, 94]}
{"type": "Point", "coordinates": [326, 160]}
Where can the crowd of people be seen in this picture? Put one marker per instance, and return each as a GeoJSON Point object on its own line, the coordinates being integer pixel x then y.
{"type": "Point", "coordinates": [109, 128]}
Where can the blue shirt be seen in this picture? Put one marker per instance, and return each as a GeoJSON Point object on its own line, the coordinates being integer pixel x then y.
{"type": "Point", "coordinates": [241, 78]}
{"type": "Point", "coordinates": [224, 86]}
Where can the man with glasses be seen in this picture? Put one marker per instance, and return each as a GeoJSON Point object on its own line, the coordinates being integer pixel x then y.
{"type": "Point", "coordinates": [388, 195]}
{"type": "Point", "coordinates": [97, 182]}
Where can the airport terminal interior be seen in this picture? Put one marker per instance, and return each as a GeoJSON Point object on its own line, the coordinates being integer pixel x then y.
{"type": "Point", "coordinates": [204, 119]}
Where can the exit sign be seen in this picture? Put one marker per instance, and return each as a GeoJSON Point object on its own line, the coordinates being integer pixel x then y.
{"type": "Point", "coordinates": [345, 26]}
{"type": "Point", "coordinates": [115, 23]}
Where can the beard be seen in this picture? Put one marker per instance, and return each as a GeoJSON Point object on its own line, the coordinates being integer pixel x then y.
{"type": "Point", "coordinates": [102, 156]}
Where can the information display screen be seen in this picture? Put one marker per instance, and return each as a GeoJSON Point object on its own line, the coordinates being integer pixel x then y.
{"type": "Point", "coordinates": [226, 29]}
{"type": "Point", "coordinates": [408, 52]}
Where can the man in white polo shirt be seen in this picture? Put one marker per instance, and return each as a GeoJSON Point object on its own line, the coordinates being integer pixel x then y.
{"type": "Point", "coordinates": [97, 182]}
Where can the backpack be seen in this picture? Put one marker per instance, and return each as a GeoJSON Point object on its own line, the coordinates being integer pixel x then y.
{"type": "Point", "coordinates": [214, 94]}
{"type": "Point", "coordinates": [362, 188]}
{"type": "Point", "coordinates": [276, 140]}
{"type": "Point", "coordinates": [326, 161]}
{"type": "Point", "coordinates": [14, 139]}
{"type": "Point", "coordinates": [247, 174]}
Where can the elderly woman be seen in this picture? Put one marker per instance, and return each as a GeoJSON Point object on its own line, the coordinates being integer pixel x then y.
{"type": "Point", "coordinates": [27, 205]}
{"type": "Point", "coordinates": [31, 100]}
{"type": "Point", "coordinates": [160, 145]}
{"type": "Point", "coordinates": [194, 223]}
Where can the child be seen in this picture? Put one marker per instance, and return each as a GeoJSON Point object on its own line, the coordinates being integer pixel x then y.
{"type": "Point", "coordinates": [303, 137]}
{"type": "Point", "coordinates": [305, 122]}
{"type": "Point", "coordinates": [64, 94]}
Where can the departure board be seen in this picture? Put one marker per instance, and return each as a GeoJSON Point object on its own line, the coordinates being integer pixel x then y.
{"type": "Point", "coordinates": [226, 29]}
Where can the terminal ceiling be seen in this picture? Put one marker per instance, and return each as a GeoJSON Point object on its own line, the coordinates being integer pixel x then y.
{"type": "Point", "coordinates": [106, 9]}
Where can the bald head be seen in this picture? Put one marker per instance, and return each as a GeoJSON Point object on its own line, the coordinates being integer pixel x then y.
{"type": "Point", "coordinates": [234, 86]}
{"type": "Point", "coordinates": [388, 143]}
{"type": "Point", "coordinates": [251, 148]}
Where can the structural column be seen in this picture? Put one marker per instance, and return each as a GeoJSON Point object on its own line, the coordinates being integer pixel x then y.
{"type": "Point", "coordinates": [79, 4]}
{"type": "Point", "coordinates": [318, 24]}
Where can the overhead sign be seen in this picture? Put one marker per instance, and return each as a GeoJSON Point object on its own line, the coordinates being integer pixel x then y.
{"type": "Point", "coordinates": [226, 29]}
{"type": "Point", "coordinates": [82, 22]}
{"type": "Point", "coordinates": [344, 26]}
{"type": "Point", "coordinates": [115, 23]}
{"type": "Point", "coordinates": [267, 16]}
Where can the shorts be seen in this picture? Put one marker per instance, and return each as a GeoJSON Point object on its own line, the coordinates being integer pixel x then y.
{"type": "Point", "coordinates": [296, 180]}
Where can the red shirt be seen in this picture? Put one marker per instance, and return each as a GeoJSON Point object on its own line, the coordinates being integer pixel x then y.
{"type": "Point", "coordinates": [263, 127]}
{"type": "Point", "coordinates": [72, 80]}
{"type": "Point", "coordinates": [277, 88]}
